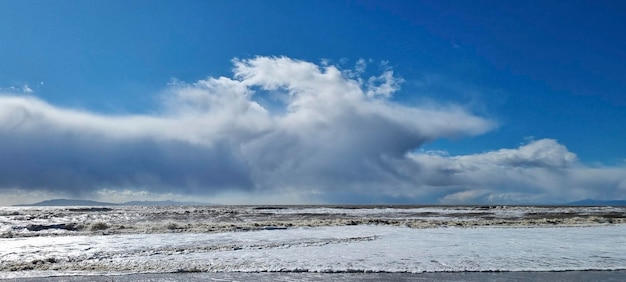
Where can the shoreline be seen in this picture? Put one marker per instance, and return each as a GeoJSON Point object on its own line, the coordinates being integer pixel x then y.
{"type": "Point", "coordinates": [553, 276]}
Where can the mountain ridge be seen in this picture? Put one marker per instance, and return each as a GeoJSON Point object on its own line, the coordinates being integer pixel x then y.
{"type": "Point", "coordinates": [82, 203]}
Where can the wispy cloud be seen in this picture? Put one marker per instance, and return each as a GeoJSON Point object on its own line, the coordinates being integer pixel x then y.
{"type": "Point", "coordinates": [333, 138]}
{"type": "Point", "coordinates": [22, 89]}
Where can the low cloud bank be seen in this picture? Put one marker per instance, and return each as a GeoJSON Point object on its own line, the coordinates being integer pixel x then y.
{"type": "Point", "coordinates": [283, 126]}
{"type": "Point", "coordinates": [542, 171]}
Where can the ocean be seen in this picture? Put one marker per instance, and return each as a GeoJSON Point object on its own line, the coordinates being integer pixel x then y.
{"type": "Point", "coordinates": [295, 243]}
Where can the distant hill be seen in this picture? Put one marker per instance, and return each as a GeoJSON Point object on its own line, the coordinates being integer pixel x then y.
{"type": "Point", "coordinates": [68, 202]}
{"type": "Point", "coordinates": [82, 203]}
{"type": "Point", "coordinates": [592, 202]}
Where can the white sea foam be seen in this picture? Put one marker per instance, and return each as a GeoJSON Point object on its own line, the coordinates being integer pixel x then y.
{"type": "Point", "coordinates": [46, 241]}
{"type": "Point", "coordinates": [323, 249]}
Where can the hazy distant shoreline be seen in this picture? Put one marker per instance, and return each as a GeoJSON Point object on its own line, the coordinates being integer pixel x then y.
{"type": "Point", "coordinates": [76, 202]}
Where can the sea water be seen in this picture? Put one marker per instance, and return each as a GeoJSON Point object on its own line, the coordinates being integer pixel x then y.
{"type": "Point", "coordinates": [42, 242]}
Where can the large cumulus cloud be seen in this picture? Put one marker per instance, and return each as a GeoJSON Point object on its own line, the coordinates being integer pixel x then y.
{"type": "Point", "coordinates": [280, 125]}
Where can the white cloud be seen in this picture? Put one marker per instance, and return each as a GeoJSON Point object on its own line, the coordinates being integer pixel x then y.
{"type": "Point", "coordinates": [540, 171]}
{"type": "Point", "coordinates": [333, 138]}
{"type": "Point", "coordinates": [383, 85]}
{"type": "Point", "coordinates": [22, 89]}
{"type": "Point", "coordinates": [360, 66]}
{"type": "Point", "coordinates": [27, 89]}
{"type": "Point", "coordinates": [541, 153]}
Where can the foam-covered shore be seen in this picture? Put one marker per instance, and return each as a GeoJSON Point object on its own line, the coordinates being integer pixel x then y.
{"type": "Point", "coordinates": [53, 241]}
{"type": "Point", "coordinates": [342, 249]}
{"type": "Point", "coordinates": [54, 221]}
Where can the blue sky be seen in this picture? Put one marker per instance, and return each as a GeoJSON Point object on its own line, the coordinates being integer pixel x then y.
{"type": "Point", "coordinates": [533, 88]}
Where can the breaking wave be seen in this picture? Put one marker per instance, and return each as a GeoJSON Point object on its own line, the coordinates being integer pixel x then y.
{"type": "Point", "coordinates": [52, 221]}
